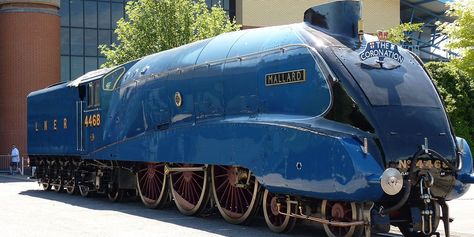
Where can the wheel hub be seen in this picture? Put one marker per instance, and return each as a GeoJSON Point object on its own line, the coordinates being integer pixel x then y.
{"type": "Point", "coordinates": [150, 172]}
{"type": "Point", "coordinates": [232, 176]}
{"type": "Point", "coordinates": [187, 176]}
{"type": "Point", "coordinates": [337, 211]}
{"type": "Point", "coordinates": [274, 206]}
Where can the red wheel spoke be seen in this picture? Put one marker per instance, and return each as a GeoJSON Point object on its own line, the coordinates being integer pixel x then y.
{"type": "Point", "coordinates": [222, 185]}
{"type": "Point", "coordinates": [189, 190]}
{"type": "Point", "coordinates": [234, 204]}
{"type": "Point", "coordinates": [185, 192]}
{"type": "Point", "coordinates": [244, 197]}
{"type": "Point", "coordinates": [142, 177]}
{"type": "Point", "coordinates": [223, 194]}
{"type": "Point", "coordinates": [197, 184]}
{"type": "Point", "coordinates": [179, 181]}
{"type": "Point", "coordinates": [195, 193]}
{"type": "Point", "coordinates": [228, 196]}
{"type": "Point", "coordinates": [148, 188]}
{"type": "Point", "coordinates": [151, 183]}
{"type": "Point", "coordinates": [157, 179]}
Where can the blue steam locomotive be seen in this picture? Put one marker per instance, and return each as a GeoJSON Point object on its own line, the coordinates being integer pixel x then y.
{"type": "Point", "coordinates": [312, 121]}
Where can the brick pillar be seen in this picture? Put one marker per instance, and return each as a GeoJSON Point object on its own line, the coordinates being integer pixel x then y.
{"type": "Point", "coordinates": [29, 60]}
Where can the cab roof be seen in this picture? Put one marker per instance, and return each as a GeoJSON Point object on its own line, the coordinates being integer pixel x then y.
{"type": "Point", "coordinates": [90, 76]}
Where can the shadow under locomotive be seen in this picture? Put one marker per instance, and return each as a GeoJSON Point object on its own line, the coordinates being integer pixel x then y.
{"type": "Point", "coordinates": [210, 221]}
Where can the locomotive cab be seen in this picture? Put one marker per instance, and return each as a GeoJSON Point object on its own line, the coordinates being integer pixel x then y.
{"type": "Point", "coordinates": [89, 109]}
{"type": "Point", "coordinates": [96, 89]}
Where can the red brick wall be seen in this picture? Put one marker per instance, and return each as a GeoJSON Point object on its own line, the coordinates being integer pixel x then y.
{"type": "Point", "coordinates": [29, 60]}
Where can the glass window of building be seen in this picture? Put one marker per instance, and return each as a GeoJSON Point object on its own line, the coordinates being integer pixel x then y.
{"type": "Point", "coordinates": [77, 67]}
{"type": "Point", "coordinates": [104, 15]}
{"type": "Point", "coordinates": [90, 64]}
{"type": "Point", "coordinates": [86, 24]}
{"type": "Point", "coordinates": [77, 41]}
{"type": "Point", "coordinates": [76, 13]}
{"type": "Point", "coordinates": [90, 42]}
{"type": "Point", "coordinates": [65, 42]}
{"type": "Point", "coordinates": [64, 12]}
{"type": "Point", "coordinates": [90, 14]}
{"type": "Point", "coordinates": [117, 13]}
{"type": "Point", "coordinates": [65, 67]}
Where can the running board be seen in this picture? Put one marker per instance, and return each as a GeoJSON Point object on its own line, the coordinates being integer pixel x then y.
{"type": "Point", "coordinates": [169, 169]}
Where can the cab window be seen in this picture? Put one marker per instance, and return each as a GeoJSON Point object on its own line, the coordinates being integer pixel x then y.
{"type": "Point", "coordinates": [112, 79]}
{"type": "Point", "coordinates": [93, 99]}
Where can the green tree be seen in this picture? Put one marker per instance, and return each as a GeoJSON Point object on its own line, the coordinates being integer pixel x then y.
{"type": "Point", "coordinates": [399, 34]}
{"type": "Point", "coordinates": [152, 26]}
{"type": "Point", "coordinates": [460, 34]}
{"type": "Point", "coordinates": [457, 90]}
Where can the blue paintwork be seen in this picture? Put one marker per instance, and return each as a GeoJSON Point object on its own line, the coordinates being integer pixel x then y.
{"type": "Point", "coordinates": [230, 117]}
{"type": "Point", "coordinates": [53, 103]}
{"type": "Point", "coordinates": [465, 176]}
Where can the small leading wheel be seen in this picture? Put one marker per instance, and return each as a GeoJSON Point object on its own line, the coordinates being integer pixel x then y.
{"type": "Point", "coordinates": [44, 183]}
{"type": "Point", "coordinates": [57, 185]}
{"type": "Point", "coordinates": [70, 186]}
{"type": "Point", "coordinates": [84, 190]}
{"type": "Point", "coordinates": [152, 185]}
{"type": "Point", "coordinates": [407, 228]}
{"type": "Point", "coordinates": [190, 190]}
{"type": "Point", "coordinates": [236, 193]}
{"type": "Point", "coordinates": [277, 222]}
{"type": "Point", "coordinates": [342, 212]}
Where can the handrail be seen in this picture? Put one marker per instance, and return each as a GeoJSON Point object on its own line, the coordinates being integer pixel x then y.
{"type": "Point", "coordinates": [252, 55]}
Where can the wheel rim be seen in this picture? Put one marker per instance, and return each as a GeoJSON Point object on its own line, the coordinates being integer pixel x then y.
{"type": "Point", "coordinates": [57, 185]}
{"type": "Point", "coordinates": [190, 190]}
{"type": "Point", "coordinates": [84, 190]}
{"type": "Point", "coordinates": [236, 204]}
{"type": "Point", "coordinates": [276, 222]}
{"type": "Point", "coordinates": [343, 212]}
{"type": "Point", "coordinates": [45, 184]}
{"type": "Point", "coordinates": [151, 182]}
{"type": "Point", "coordinates": [70, 186]}
{"type": "Point", "coordinates": [115, 194]}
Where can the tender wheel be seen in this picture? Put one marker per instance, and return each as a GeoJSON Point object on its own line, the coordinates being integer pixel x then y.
{"type": "Point", "coordinates": [57, 185]}
{"type": "Point", "coordinates": [44, 183]}
{"type": "Point", "coordinates": [407, 228]}
{"type": "Point", "coordinates": [70, 187]}
{"type": "Point", "coordinates": [152, 185]}
{"type": "Point", "coordinates": [115, 194]}
{"type": "Point", "coordinates": [190, 190]}
{"type": "Point", "coordinates": [277, 222]}
{"type": "Point", "coordinates": [341, 211]}
{"type": "Point", "coordinates": [236, 193]}
{"type": "Point", "coordinates": [84, 190]}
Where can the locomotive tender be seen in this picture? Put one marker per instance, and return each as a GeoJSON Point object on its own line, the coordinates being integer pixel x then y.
{"type": "Point", "coordinates": [312, 121]}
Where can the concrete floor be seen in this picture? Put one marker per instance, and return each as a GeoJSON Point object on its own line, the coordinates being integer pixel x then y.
{"type": "Point", "coordinates": [25, 210]}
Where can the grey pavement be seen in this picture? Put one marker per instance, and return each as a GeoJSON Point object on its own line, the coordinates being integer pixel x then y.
{"type": "Point", "coordinates": [25, 210]}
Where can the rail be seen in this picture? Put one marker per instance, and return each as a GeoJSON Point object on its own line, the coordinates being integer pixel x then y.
{"type": "Point", "coordinates": [5, 161]}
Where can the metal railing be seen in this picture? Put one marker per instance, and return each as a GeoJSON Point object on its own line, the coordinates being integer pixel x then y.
{"type": "Point", "coordinates": [5, 161]}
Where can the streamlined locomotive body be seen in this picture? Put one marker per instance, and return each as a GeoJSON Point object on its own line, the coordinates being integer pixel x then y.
{"type": "Point", "coordinates": [311, 121]}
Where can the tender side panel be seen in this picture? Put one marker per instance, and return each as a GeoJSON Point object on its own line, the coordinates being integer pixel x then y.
{"type": "Point", "coordinates": [52, 121]}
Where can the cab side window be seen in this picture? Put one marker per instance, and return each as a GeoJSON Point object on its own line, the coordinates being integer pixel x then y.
{"type": "Point", "coordinates": [93, 89]}
{"type": "Point", "coordinates": [111, 80]}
